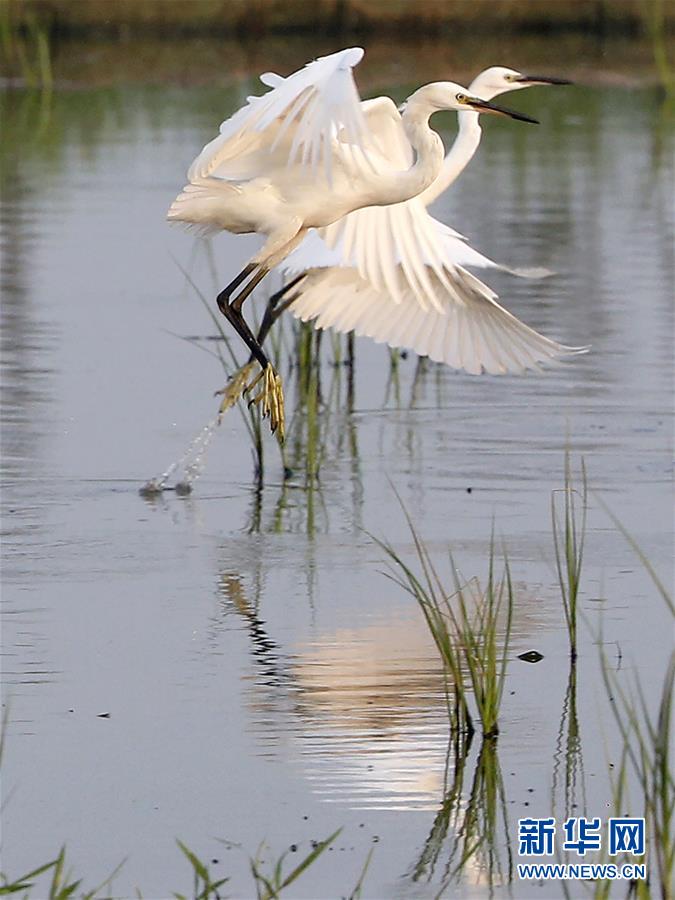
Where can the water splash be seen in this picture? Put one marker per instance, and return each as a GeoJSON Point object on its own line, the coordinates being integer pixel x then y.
{"type": "Point", "coordinates": [191, 464]}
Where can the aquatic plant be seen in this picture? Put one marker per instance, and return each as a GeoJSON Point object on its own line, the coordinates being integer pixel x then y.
{"type": "Point", "coordinates": [471, 628]}
{"type": "Point", "coordinates": [430, 594]}
{"type": "Point", "coordinates": [484, 640]}
{"type": "Point", "coordinates": [646, 750]}
{"type": "Point", "coordinates": [569, 532]}
{"type": "Point", "coordinates": [268, 884]}
{"type": "Point", "coordinates": [204, 887]}
{"type": "Point", "coordinates": [656, 26]}
{"type": "Point", "coordinates": [61, 886]}
{"type": "Point", "coordinates": [26, 47]}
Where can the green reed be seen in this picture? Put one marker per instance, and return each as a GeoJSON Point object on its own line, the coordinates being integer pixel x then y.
{"type": "Point", "coordinates": [26, 48]}
{"type": "Point", "coordinates": [61, 885]}
{"type": "Point", "coordinates": [646, 742]}
{"type": "Point", "coordinates": [428, 591]}
{"type": "Point", "coordinates": [568, 519]}
{"type": "Point", "coordinates": [656, 28]}
{"type": "Point", "coordinates": [204, 887]}
{"type": "Point", "coordinates": [301, 354]}
{"type": "Point", "coordinates": [646, 733]}
{"type": "Point", "coordinates": [471, 628]}
{"type": "Point", "coordinates": [484, 640]}
{"type": "Point", "coordinates": [646, 750]}
{"type": "Point", "coordinates": [268, 883]}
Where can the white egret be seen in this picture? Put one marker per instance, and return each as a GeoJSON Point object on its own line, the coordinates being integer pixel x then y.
{"type": "Point", "coordinates": [303, 156]}
{"type": "Point", "coordinates": [397, 275]}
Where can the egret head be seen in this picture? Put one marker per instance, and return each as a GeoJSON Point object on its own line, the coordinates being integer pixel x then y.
{"type": "Point", "coordinates": [448, 95]}
{"type": "Point", "coordinates": [498, 79]}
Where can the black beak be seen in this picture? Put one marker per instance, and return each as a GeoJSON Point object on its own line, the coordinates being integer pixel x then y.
{"type": "Point", "coordinates": [485, 106]}
{"type": "Point", "coordinates": [542, 79]}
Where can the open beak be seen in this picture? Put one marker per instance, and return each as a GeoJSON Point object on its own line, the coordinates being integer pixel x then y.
{"type": "Point", "coordinates": [485, 106]}
{"type": "Point", "coordinates": [541, 79]}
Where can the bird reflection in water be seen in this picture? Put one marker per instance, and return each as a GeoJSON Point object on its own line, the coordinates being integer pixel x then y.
{"type": "Point", "coordinates": [363, 712]}
{"type": "Point", "coordinates": [364, 709]}
{"type": "Point", "coordinates": [264, 651]}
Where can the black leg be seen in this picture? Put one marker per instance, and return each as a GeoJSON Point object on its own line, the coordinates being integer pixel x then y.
{"type": "Point", "coordinates": [226, 293]}
{"type": "Point", "coordinates": [276, 308]}
{"type": "Point", "coordinates": [270, 396]}
{"type": "Point", "coordinates": [245, 292]}
{"type": "Point", "coordinates": [232, 310]}
{"type": "Point", "coordinates": [237, 321]}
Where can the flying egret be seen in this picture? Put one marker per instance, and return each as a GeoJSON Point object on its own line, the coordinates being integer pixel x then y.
{"type": "Point", "coordinates": [304, 155]}
{"type": "Point", "coordinates": [397, 275]}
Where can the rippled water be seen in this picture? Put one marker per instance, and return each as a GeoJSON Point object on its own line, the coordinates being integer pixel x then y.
{"type": "Point", "coordinates": [260, 678]}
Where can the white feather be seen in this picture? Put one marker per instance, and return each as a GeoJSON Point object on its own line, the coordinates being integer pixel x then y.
{"type": "Point", "coordinates": [390, 256]}
{"type": "Point", "coordinates": [299, 115]}
{"type": "Point", "coordinates": [476, 334]}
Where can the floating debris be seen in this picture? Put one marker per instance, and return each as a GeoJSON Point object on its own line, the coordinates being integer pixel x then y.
{"type": "Point", "coordinates": [532, 656]}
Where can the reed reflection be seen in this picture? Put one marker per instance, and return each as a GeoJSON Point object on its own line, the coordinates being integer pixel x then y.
{"type": "Point", "coordinates": [320, 427]}
{"type": "Point", "coordinates": [470, 835]}
{"type": "Point", "coordinates": [568, 789]}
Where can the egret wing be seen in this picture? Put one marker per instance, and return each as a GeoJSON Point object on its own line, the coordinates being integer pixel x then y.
{"type": "Point", "coordinates": [458, 252]}
{"type": "Point", "coordinates": [315, 253]}
{"type": "Point", "coordinates": [298, 119]}
{"type": "Point", "coordinates": [385, 130]}
{"type": "Point", "coordinates": [466, 329]}
{"type": "Point", "coordinates": [377, 239]}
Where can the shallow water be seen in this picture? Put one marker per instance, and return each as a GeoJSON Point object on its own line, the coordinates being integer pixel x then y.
{"type": "Point", "coordinates": [260, 677]}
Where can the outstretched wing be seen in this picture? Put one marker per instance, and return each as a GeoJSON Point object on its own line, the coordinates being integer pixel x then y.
{"type": "Point", "coordinates": [377, 240]}
{"type": "Point", "coordinates": [314, 253]}
{"type": "Point", "coordinates": [298, 120]}
{"type": "Point", "coordinates": [467, 330]}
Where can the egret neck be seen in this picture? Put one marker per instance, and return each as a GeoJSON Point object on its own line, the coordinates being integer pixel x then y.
{"type": "Point", "coordinates": [460, 155]}
{"type": "Point", "coordinates": [426, 143]}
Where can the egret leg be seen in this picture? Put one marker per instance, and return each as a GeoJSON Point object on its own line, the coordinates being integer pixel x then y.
{"type": "Point", "coordinates": [271, 394]}
{"type": "Point", "coordinates": [270, 397]}
{"type": "Point", "coordinates": [275, 307]}
{"type": "Point", "coordinates": [231, 309]}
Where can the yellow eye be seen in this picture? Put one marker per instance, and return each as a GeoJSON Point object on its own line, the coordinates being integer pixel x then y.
{"type": "Point", "coordinates": [461, 98]}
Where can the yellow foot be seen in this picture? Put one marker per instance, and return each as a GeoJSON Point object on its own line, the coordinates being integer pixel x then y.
{"type": "Point", "coordinates": [270, 398]}
{"type": "Point", "coordinates": [235, 387]}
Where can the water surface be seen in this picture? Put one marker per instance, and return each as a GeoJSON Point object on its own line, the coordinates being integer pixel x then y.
{"type": "Point", "coordinates": [260, 677]}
